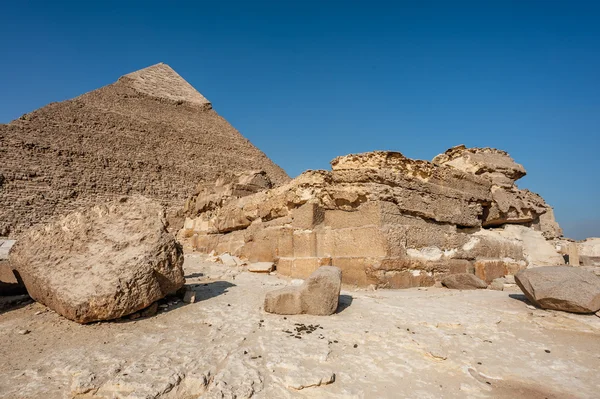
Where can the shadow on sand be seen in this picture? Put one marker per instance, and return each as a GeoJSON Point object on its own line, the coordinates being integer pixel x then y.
{"type": "Point", "coordinates": [344, 302]}
{"type": "Point", "coordinates": [522, 298]}
{"type": "Point", "coordinates": [194, 275]}
{"type": "Point", "coordinates": [173, 302]}
{"type": "Point", "coordinates": [13, 302]}
{"type": "Point", "coordinates": [210, 290]}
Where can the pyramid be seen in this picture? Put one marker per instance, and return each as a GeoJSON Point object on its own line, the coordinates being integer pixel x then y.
{"type": "Point", "coordinates": [149, 133]}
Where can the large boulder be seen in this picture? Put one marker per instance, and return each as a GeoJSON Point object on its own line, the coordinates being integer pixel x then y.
{"type": "Point", "coordinates": [566, 288]}
{"type": "Point", "coordinates": [318, 295]}
{"type": "Point", "coordinates": [463, 281]}
{"type": "Point", "coordinates": [102, 263]}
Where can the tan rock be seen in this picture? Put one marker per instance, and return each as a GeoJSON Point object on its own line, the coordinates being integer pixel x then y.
{"type": "Point", "coordinates": [494, 164]}
{"type": "Point", "coordinates": [566, 288]}
{"type": "Point", "coordinates": [102, 263]}
{"type": "Point", "coordinates": [261, 267]}
{"type": "Point", "coordinates": [589, 251]}
{"type": "Point", "coordinates": [318, 295]}
{"type": "Point", "coordinates": [548, 225]}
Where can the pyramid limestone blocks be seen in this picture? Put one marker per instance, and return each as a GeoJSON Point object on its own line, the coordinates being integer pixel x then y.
{"type": "Point", "coordinates": [387, 220]}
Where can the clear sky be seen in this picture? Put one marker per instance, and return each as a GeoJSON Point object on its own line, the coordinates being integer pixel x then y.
{"type": "Point", "coordinates": [307, 80]}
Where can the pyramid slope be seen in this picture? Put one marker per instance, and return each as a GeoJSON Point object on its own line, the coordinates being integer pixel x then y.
{"type": "Point", "coordinates": [162, 81]}
{"type": "Point", "coordinates": [125, 138]}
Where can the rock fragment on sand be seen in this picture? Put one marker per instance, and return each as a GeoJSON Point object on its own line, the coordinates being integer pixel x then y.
{"type": "Point", "coordinates": [260, 267]}
{"type": "Point", "coordinates": [229, 260]}
{"type": "Point", "coordinates": [189, 296]}
{"type": "Point", "coordinates": [463, 281]}
{"type": "Point", "coordinates": [565, 288]}
{"type": "Point", "coordinates": [497, 284]}
{"type": "Point", "coordinates": [101, 263]}
{"type": "Point", "coordinates": [318, 295]}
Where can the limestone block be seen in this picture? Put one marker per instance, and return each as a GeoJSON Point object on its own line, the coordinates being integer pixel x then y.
{"type": "Point", "coordinates": [405, 279]}
{"type": "Point", "coordinates": [284, 266]}
{"type": "Point", "coordinates": [366, 214]}
{"type": "Point", "coordinates": [318, 295]}
{"type": "Point", "coordinates": [304, 243]}
{"type": "Point", "coordinates": [357, 241]}
{"type": "Point", "coordinates": [263, 245]}
{"type": "Point", "coordinates": [489, 270]}
{"type": "Point", "coordinates": [303, 267]}
{"type": "Point", "coordinates": [307, 216]}
{"type": "Point", "coordinates": [261, 267]}
{"type": "Point", "coordinates": [354, 270]}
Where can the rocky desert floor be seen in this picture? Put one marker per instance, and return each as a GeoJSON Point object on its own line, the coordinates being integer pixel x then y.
{"type": "Point", "coordinates": [413, 343]}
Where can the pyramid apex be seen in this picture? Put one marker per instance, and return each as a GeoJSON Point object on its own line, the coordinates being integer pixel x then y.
{"type": "Point", "coordinates": [160, 80]}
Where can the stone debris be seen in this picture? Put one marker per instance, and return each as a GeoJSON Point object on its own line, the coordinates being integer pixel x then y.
{"type": "Point", "coordinates": [565, 288]}
{"type": "Point", "coordinates": [318, 295]}
{"type": "Point", "coordinates": [261, 267]}
{"type": "Point", "coordinates": [228, 260]}
{"type": "Point", "coordinates": [189, 296]}
{"type": "Point", "coordinates": [150, 133]}
{"type": "Point", "coordinates": [101, 263]}
{"type": "Point", "coordinates": [498, 284]}
{"type": "Point", "coordinates": [463, 281]}
{"type": "Point", "coordinates": [384, 219]}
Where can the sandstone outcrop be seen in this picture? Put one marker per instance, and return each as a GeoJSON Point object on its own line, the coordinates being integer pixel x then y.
{"type": "Point", "coordinates": [566, 288]}
{"type": "Point", "coordinates": [384, 219]}
{"type": "Point", "coordinates": [509, 204]}
{"type": "Point", "coordinates": [102, 263]}
{"type": "Point", "coordinates": [318, 295]}
{"type": "Point", "coordinates": [463, 281]}
{"type": "Point", "coordinates": [149, 133]}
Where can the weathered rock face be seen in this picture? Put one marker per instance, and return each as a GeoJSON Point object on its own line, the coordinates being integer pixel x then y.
{"type": "Point", "coordinates": [150, 133]}
{"type": "Point", "coordinates": [383, 219]}
{"type": "Point", "coordinates": [318, 295]}
{"type": "Point", "coordinates": [589, 251]}
{"type": "Point", "coordinates": [494, 164]}
{"type": "Point", "coordinates": [463, 281]}
{"type": "Point", "coordinates": [102, 263]}
{"type": "Point", "coordinates": [509, 204]}
{"type": "Point", "coordinates": [566, 288]}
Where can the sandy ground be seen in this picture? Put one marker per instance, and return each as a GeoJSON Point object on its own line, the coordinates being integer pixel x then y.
{"type": "Point", "coordinates": [415, 343]}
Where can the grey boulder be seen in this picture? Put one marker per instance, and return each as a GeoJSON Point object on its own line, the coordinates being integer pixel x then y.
{"type": "Point", "coordinates": [565, 288]}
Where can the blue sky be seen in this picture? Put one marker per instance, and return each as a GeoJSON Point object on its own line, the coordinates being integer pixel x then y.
{"type": "Point", "coordinates": [310, 80]}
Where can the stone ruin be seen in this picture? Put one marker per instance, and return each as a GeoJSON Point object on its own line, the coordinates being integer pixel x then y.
{"type": "Point", "coordinates": [382, 218]}
{"type": "Point", "coordinates": [150, 133]}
